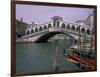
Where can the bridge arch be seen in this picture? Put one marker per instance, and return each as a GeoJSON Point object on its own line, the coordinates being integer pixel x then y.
{"type": "Point", "coordinates": [88, 31]}
{"type": "Point", "coordinates": [83, 30]}
{"type": "Point", "coordinates": [63, 25]}
{"type": "Point", "coordinates": [77, 29]}
{"type": "Point", "coordinates": [45, 27]}
{"type": "Point", "coordinates": [68, 26]}
{"type": "Point", "coordinates": [73, 28]}
{"type": "Point", "coordinates": [36, 29]}
{"type": "Point", "coordinates": [40, 28]}
{"type": "Point", "coordinates": [28, 32]}
{"type": "Point", "coordinates": [45, 37]}
{"type": "Point", "coordinates": [49, 25]}
{"type": "Point", "coordinates": [32, 31]}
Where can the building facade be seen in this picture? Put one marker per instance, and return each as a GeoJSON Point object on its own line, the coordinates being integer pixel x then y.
{"type": "Point", "coordinates": [20, 28]}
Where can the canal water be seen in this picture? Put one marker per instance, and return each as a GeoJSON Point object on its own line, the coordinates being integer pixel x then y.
{"type": "Point", "coordinates": [38, 57]}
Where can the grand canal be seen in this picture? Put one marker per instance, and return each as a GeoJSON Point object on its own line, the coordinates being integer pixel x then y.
{"type": "Point", "coordinates": [38, 57]}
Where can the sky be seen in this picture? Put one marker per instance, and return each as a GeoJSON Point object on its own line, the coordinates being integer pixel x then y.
{"type": "Point", "coordinates": [41, 14]}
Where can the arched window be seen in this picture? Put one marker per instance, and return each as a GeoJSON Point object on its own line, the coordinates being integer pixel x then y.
{"type": "Point", "coordinates": [77, 29]}
{"type": "Point", "coordinates": [40, 28]}
{"type": "Point", "coordinates": [73, 28]}
{"type": "Point", "coordinates": [63, 25]}
{"type": "Point", "coordinates": [45, 27]}
{"type": "Point", "coordinates": [49, 25]}
{"type": "Point", "coordinates": [28, 32]}
{"type": "Point", "coordinates": [32, 31]}
{"type": "Point", "coordinates": [83, 30]}
{"type": "Point", "coordinates": [88, 31]}
{"type": "Point", "coordinates": [36, 29]}
{"type": "Point", "coordinates": [68, 26]}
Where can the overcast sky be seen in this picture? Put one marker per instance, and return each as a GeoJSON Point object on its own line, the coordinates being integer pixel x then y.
{"type": "Point", "coordinates": [41, 14]}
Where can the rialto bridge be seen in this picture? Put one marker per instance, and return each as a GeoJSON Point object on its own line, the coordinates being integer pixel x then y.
{"type": "Point", "coordinates": [44, 31]}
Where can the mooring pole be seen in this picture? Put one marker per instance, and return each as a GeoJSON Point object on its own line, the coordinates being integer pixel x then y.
{"type": "Point", "coordinates": [55, 63]}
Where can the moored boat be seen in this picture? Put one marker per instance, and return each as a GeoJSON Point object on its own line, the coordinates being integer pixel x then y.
{"type": "Point", "coordinates": [85, 60]}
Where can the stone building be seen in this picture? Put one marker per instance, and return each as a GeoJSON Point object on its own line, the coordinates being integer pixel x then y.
{"type": "Point", "coordinates": [20, 28]}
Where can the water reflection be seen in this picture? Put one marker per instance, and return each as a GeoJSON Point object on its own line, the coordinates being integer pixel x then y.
{"type": "Point", "coordinates": [38, 57]}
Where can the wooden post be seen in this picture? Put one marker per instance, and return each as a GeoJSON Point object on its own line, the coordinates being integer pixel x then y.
{"type": "Point", "coordinates": [80, 45]}
{"type": "Point", "coordinates": [55, 63]}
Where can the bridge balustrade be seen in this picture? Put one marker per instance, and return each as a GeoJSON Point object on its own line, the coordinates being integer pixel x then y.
{"type": "Point", "coordinates": [69, 27]}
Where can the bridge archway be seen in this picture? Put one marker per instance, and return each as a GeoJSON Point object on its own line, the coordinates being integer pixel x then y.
{"type": "Point", "coordinates": [40, 28]}
{"type": "Point", "coordinates": [32, 31]}
{"type": "Point", "coordinates": [45, 37]}
{"type": "Point", "coordinates": [36, 29]}
{"type": "Point", "coordinates": [68, 26]}
{"type": "Point", "coordinates": [77, 29]}
{"type": "Point", "coordinates": [49, 25]}
{"type": "Point", "coordinates": [73, 28]}
{"type": "Point", "coordinates": [28, 32]}
{"type": "Point", "coordinates": [45, 27]}
{"type": "Point", "coordinates": [63, 25]}
{"type": "Point", "coordinates": [83, 30]}
{"type": "Point", "coordinates": [88, 31]}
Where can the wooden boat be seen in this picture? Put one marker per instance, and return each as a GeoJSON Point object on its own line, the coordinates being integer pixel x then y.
{"type": "Point", "coordinates": [86, 60]}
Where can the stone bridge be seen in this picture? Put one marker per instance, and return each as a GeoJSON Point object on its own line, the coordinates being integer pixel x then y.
{"type": "Point", "coordinates": [44, 31]}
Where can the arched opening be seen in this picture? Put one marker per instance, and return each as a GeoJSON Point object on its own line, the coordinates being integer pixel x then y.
{"type": "Point", "coordinates": [40, 28]}
{"type": "Point", "coordinates": [36, 29]}
{"type": "Point", "coordinates": [63, 25]}
{"type": "Point", "coordinates": [45, 27]}
{"type": "Point", "coordinates": [68, 26]}
{"type": "Point", "coordinates": [28, 32]}
{"type": "Point", "coordinates": [49, 25]}
{"type": "Point", "coordinates": [88, 31]}
{"type": "Point", "coordinates": [77, 29]}
{"type": "Point", "coordinates": [45, 37]}
{"type": "Point", "coordinates": [83, 30]}
{"type": "Point", "coordinates": [73, 28]}
{"type": "Point", "coordinates": [57, 23]}
{"type": "Point", "coordinates": [32, 31]}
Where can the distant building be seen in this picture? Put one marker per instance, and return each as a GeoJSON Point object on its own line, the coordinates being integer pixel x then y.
{"type": "Point", "coordinates": [20, 28]}
{"type": "Point", "coordinates": [30, 26]}
{"type": "Point", "coordinates": [89, 21]}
